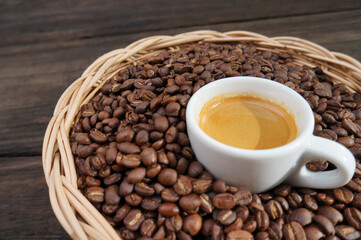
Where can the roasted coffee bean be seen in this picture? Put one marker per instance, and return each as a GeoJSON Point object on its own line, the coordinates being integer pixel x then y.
{"type": "Point", "coordinates": [242, 212]}
{"type": "Point", "coordinates": [262, 220]}
{"type": "Point", "coordinates": [168, 209]}
{"type": "Point", "coordinates": [169, 195]}
{"type": "Point", "coordinates": [275, 231]}
{"type": "Point", "coordinates": [347, 232]}
{"type": "Point", "coordinates": [192, 224]}
{"type": "Point", "coordinates": [147, 228]}
{"type": "Point", "coordinates": [226, 217]}
{"type": "Point", "coordinates": [86, 124]}
{"type": "Point", "coordinates": [148, 156]}
{"type": "Point", "coordinates": [219, 186]}
{"type": "Point", "coordinates": [95, 194]}
{"type": "Point", "coordinates": [283, 202]}
{"type": "Point", "coordinates": [331, 213]}
{"type": "Point", "coordinates": [353, 217]}
{"type": "Point", "coordinates": [262, 236]}
{"type": "Point", "coordinates": [144, 189]}
{"type": "Point", "coordinates": [346, 141]}
{"type": "Point", "coordinates": [206, 176]}
{"type": "Point", "coordinates": [206, 204]}
{"type": "Point", "coordinates": [125, 188]}
{"type": "Point", "coordinates": [301, 215]}
{"type": "Point", "coordinates": [133, 199]}
{"type": "Point", "coordinates": [104, 173]}
{"type": "Point", "coordinates": [325, 198]}
{"type": "Point", "coordinates": [121, 213]}
{"type": "Point", "coordinates": [350, 126]}
{"type": "Point", "coordinates": [274, 209]}
{"type": "Point", "coordinates": [109, 209]}
{"type": "Point", "coordinates": [313, 233]}
{"type": "Point", "coordinates": [183, 236]}
{"type": "Point", "coordinates": [317, 165]}
{"type": "Point", "coordinates": [160, 219]}
{"type": "Point", "coordinates": [195, 168]}
{"type": "Point", "coordinates": [250, 226]}
{"type": "Point", "coordinates": [190, 203]}
{"type": "Point", "coordinates": [224, 201]}
{"type": "Point", "coordinates": [239, 234]}
{"type": "Point", "coordinates": [151, 204]}
{"type": "Point", "coordinates": [354, 184]}
{"type": "Point", "coordinates": [111, 195]}
{"type": "Point", "coordinates": [255, 206]}
{"type": "Point", "coordinates": [310, 203]}
{"type": "Point", "coordinates": [160, 234]}
{"type": "Point", "coordinates": [217, 232]}
{"type": "Point", "coordinates": [324, 224]}
{"type": "Point", "coordinates": [111, 155]}
{"type": "Point", "coordinates": [265, 196]}
{"type": "Point", "coordinates": [283, 190]}
{"type": "Point", "coordinates": [98, 136]}
{"type": "Point", "coordinates": [295, 200]}
{"type": "Point", "coordinates": [112, 179]}
{"type": "Point", "coordinates": [243, 197]}
{"type": "Point", "coordinates": [83, 138]}
{"type": "Point", "coordinates": [172, 109]}
{"type": "Point", "coordinates": [133, 220]}
{"type": "Point", "coordinates": [174, 224]}
{"type": "Point", "coordinates": [183, 186]}
{"type": "Point", "coordinates": [142, 138]}
{"type": "Point", "coordinates": [343, 195]}
{"type": "Point", "coordinates": [81, 182]}
{"type": "Point", "coordinates": [163, 158]}
{"type": "Point", "coordinates": [357, 201]}
{"type": "Point", "coordinates": [91, 181]}
{"type": "Point", "coordinates": [293, 231]}
{"type": "Point", "coordinates": [130, 160]}
{"type": "Point", "coordinates": [125, 135]}
{"type": "Point", "coordinates": [158, 144]}
{"type": "Point", "coordinates": [236, 225]}
{"type": "Point", "coordinates": [183, 139]}
{"type": "Point", "coordinates": [167, 177]}
{"type": "Point", "coordinates": [339, 206]}
{"type": "Point", "coordinates": [161, 124]}
{"type": "Point", "coordinates": [201, 185]}
{"type": "Point", "coordinates": [207, 227]}
{"type": "Point", "coordinates": [136, 175]}
{"type": "Point", "coordinates": [155, 136]}
{"type": "Point", "coordinates": [84, 151]}
{"type": "Point", "coordinates": [154, 170]}
{"type": "Point", "coordinates": [171, 134]}
{"type": "Point", "coordinates": [182, 166]}
{"type": "Point", "coordinates": [126, 147]}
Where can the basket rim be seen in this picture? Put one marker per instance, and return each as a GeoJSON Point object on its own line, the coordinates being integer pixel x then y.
{"type": "Point", "coordinates": [74, 212]}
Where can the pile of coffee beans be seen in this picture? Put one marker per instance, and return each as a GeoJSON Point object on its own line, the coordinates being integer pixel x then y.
{"type": "Point", "coordinates": [136, 166]}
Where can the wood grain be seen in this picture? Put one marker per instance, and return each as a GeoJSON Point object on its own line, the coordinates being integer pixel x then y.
{"type": "Point", "coordinates": [33, 21]}
{"type": "Point", "coordinates": [24, 203]}
{"type": "Point", "coordinates": [35, 75]}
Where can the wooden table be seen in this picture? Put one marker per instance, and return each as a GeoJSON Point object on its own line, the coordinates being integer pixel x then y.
{"type": "Point", "coordinates": [46, 45]}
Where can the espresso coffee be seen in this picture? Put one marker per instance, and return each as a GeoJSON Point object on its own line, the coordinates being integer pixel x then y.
{"type": "Point", "coordinates": [247, 122]}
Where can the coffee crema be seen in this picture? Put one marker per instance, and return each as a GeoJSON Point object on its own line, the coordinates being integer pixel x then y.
{"type": "Point", "coordinates": [247, 122]}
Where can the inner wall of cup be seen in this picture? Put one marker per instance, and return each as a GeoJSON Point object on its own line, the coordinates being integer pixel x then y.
{"type": "Point", "coordinates": [296, 106]}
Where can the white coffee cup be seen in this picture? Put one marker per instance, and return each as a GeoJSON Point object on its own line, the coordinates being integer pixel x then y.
{"type": "Point", "coordinates": [260, 170]}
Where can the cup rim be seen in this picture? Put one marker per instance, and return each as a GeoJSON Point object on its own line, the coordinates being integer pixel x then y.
{"type": "Point", "coordinates": [193, 125]}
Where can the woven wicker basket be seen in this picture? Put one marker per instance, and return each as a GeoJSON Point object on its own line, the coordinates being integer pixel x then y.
{"type": "Point", "coordinates": [75, 213]}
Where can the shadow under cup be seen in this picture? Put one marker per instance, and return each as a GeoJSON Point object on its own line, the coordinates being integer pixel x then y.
{"type": "Point", "coordinates": [257, 170]}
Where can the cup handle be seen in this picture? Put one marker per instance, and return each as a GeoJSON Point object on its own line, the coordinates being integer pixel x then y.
{"type": "Point", "coordinates": [329, 150]}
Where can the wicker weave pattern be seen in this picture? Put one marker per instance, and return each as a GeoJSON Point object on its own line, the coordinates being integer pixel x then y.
{"type": "Point", "coordinates": [75, 213]}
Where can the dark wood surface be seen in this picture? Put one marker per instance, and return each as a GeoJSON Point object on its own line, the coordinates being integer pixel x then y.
{"type": "Point", "coordinates": [45, 46]}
